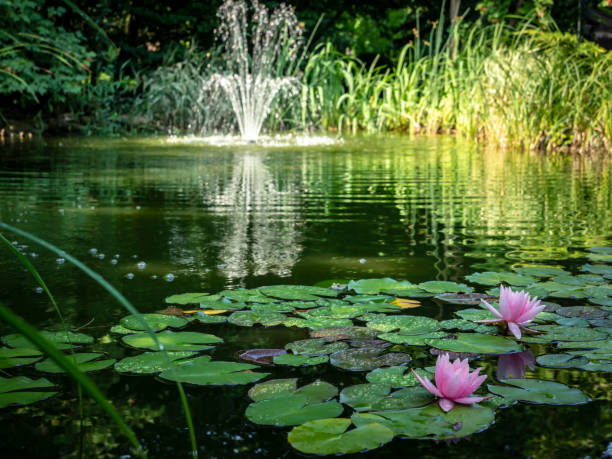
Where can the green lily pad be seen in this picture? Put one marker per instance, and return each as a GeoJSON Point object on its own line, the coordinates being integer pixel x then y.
{"type": "Point", "coordinates": [317, 392]}
{"type": "Point", "coordinates": [10, 358]}
{"type": "Point", "coordinates": [299, 360]}
{"type": "Point", "coordinates": [540, 271]}
{"type": "Point", "coordinates": [561, 361]}
{"type": "Point", "coordinates": [361, 397]}
{"type": "Point", "coordinates": [603, 270]}
{"type": "Point", "coordinates": [580, 280]}
{"type": "Point", "coordinates": [539, 392]}
{"type": "Point", "coordinates": [173, 341]}
{"type": "Point", "coordinates": [365, 359]}
{"type": "Point", "coordinates": [534, 290]}
{"type": "Point", "coordinates": [121, 330]}
{"type": "Point", "coordinates": [330, 436]}
{"type": "Point", "coordinates": [368, 298]}
{"type": "Point", "coordinates": [273, 307]}
{"type": "Point", "coordinates": [599, 257]}
{"type": "Point", "coordinates": [18, 390]}
{"type": "Point", "coordinates": [260, 356]}
{"type": "Point", "coordinates": [336, 312]}
{"type": "Point", "coordinates": [250, 318]}
{"type": "Point", "coordinates": [298, 292]}
{"type": "Point", "coordinates": [430, 422]}
{"type": "Point", "coordinates": [399, 376]}
{"type": "Point", "coordinates": [408, 291]}
{"type": "Point", "coordinates": [444, 287]}
{"type": "Point", "coordinates": [572, 322]}
{"type": "Point", "coordinates": [341, 333]}
{"type": "Point", "coordinates": [477, 344]}
{"type": "Point", "coordinates": [598, 344]}
{"type": "Point", "coordinates": [290, 410]}
{"type": "Point", "coordinates": [246, 296]}
{"type": "Point", "coordinates": [88, 361]}
{"type": "Point", "coordinates": [202, 372]}
{"type": "Point", "coordinates": [411, 340]}
{"type": "Point", "coordinates": [601, 250]}
{"type": "Point", "coordinates": [463, 298]}
{"type": "Point", "coordinates": [475, 314]}
{"type": "Point", "coordinates": [60, 339]}
{"type": "Point", "coordinates": [375, 286]}
{"type": "Point", "coordinates": [494, 278]}
{"type": "Point", "coordinates": [209, 318]}
{"type": "Point", "coordinates": [190, 298]}
{"type": "Point", "coordinates": [222, 304]}
{"type": "Point", "coordinates": [156, 322]}
{"type": "Point", "coordinates": [315, 346]}
{"type": "Point", "coordinates": [152, 362]}
{"type": "Point", "coordinates": [408, 325]}
{"type": "Point", "coordinates": [316, 323]}
{"type": "Point", "coordinates": [599, 291]}
{"type": "Point", "coordinates": [564, 333]}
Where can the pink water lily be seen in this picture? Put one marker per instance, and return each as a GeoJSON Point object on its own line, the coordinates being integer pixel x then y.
{"type": "Point", "coordinates": [515, 308]}
{"type": "Point", "coordinates": [454, 382]}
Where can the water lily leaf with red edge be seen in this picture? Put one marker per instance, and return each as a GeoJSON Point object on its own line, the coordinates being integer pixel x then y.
{"type": "Point", "coordinates": [260, 356]}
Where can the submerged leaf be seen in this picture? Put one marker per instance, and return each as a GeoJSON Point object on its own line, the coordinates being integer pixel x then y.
{"type": "Point", "coordinates": [18, 390]}
{"type": "Point", "coordinates": [84, 361]}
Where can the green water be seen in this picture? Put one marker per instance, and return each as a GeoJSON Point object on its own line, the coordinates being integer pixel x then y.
{"type": "Point", "coordinates": [216, 217]}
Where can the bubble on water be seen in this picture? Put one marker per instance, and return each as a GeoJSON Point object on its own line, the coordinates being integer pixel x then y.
{"type": "Point", "coordinates": [134, 256]}
{"type": "Point", "coordinates": [116, 255]}
{"type": "Point", "coordinates": [207, 270]}
{"type": "Point", "coordinates": [138, 207]}
{"type": "Point", "coordinates": [15, 243]}
{"type": "Point", "coordinates": [93, 251]}
{"type": "Point", "coordinates": [161, 347]}
{"type": "Point", "coordinates": [113, 261]}
{"type": "Point", "coordinates": [362, 260]}
{"type": "Point", "coordinates": [221, 266]}
{"type": "Point", "coordinates": [101, 256]}
{"type": "Point", "coordinates": [61, 211]}
{"type": "Point", "coordinates": [154, 276]}
{"type": "Point", "coordinates": [60, 261]}
{"type": "Point", "coordinates": [141, 265]}
{"type": "Point", "coordinates": [129, 276]}
{"type": "Point", "coordinates": [38, 289]}
{"type": "Point", "coordinates": [80, 206]}
{"type": "Point", "coordinates": [33, 254]}
{"type": "Point", "coordinates": [169, 277]}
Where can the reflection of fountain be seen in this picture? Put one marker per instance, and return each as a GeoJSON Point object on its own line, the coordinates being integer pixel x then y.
{"type": "Point", "coordinates": [259, 58]}
{"type": "Point", "coordinates": [257, 234]}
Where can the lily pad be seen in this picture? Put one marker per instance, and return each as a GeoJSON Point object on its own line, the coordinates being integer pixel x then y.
{"type": "Point", "coordinates": [298, 292]}
{"type": "Point", "coordinates": [204, 318]}
{"type": "Point", "coordinates": [88, 361]}
{"type": "Point", "coordinates": [463, 298]}
{"type": "Point", "coordinates": [273, 307]}
{"type": "Point", "coordinates": [260, 356]}
{"type": "Point", "coordinates": [361, 397]}
{"type": "Point", "coordinates": [603, 270]}
{"type": "Point", "coordinates": [365, 359]}
{"type": "Point", "coordinates": [399, 376]}
{"type": "Point", "coordinates": [315, 346]}
{"type": "Point", "coordinates": [19, 390]}
{"type": "Point", "coordinates": [561, 361]}
{"type": "Point", "coordinates": [317, 392]}
{"type": "Point", "coordinates": [408, 325]}
{"type": "Point", "coordinates": [444, 287]}
{"type": "Point", "coordinates": [173, 341]}
{"type": "Point", "coordinates": [250, 318]}
{"type": "Point", "coordinates": [564, 333]}
{"type": "Point", "coordinates": [477, 344]}
{"type": "Point", "coordinates": [156, 322]}
{"type": "Point", "coordinates": [411, 340]}
{"type": "Point", "coordinates": [375, 286]}
{"type": "Point", "coordinates": [60, 339]}
{"type": "Point", "coordinates": [409, 291]}
{"type": "Point", "coordinates": [152, 362]}
{"type": "Point", "coordinates": [201, 371]}
{"type": "Point", "coordinates": [475, 314]}
{"type": "Point", "coordinates": [246, 296]}
{"type": "Point", "coordinates": [341, 333]}
{"type": "Point", "coordinates": [539, 392]}
{"type": "Point", "coordinates": [368, 298]}
{"type": "Point", "coordinates": [330, 436]}
{"type": "Point", "coordinates": [316, 323]}
{"type": "Point", "coordinates": [290, 410]}
{"type": "Point", "coordinates": [299, 360]}
{"type": "Point", "coordinates": [10, 358]}
{"type": "Point", "coordinates": [223, 304]}
{"type": "Point", "coordinates": [541, 271]}
{"type": "Point", "coordinates": [494, 278]}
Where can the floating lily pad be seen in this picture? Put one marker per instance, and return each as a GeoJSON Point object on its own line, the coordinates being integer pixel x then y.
{"type": "Point", "coordinates": [580, 280]}
{"type": "Point", "coordinates": [337, 312]}
{"type": "Point", "coordinates": [534, 290]}
{"type": "Point", "coordinates": [368, 298]}
{"type": "Point", "coordinates": [330, 436]}
{"type": "Point", "coordinates": [201, 371]}
{"type": "Point", "coordinates": [273, 307]}
{"type": "Point", "coordinates": [365, 359]}
{"type": "Point", "coordinates": [599, 291]}
{"type": "Point", "coordinates": [541, 271]}
{"type": "Point", "coordinates": [299, 360]}
{"type": "Point", "coordinates": [317, 392]}
{"type": "Point", "coordinates": [475, 314]}
{"type": "Point", "coordinates": [121, 330]}
{"type": "Point", "coordinates": [603, 270]}
{"type": "Point", "coordinates": [298, 292]}
{"type": "Point", "coordinates": [223, 304]}
{"type": "Point", "coordinates": [494, 278]}
{"type": "Point", "coordinates": [539, 392]}
{"type": "Point", "coordinates": [156, 322]}
{"type": "Point", "coordinates": [152, 362]}
{"type": "Point", "coordinates": [10, 358]}
{"type": "Point", "coordinates": [430, 422]}
{"type": "Point", "coordinates": [85, 361]}
{"type": "Point", "coordinates": [409, 291]}
{"type": "Point", "coordinates": [572, 322]}
{"type": "Point", "coordinates": [601, 250]}
{"type": "Point", "coordinates": [315, 346]}
{"type": "Point", "coordinates": [477, 344]}
{"type": "Point", "coordinates": [561, 361]}
{"type": "Point", "coordinates": [18, 390]}
{"type": "Point", "coordinates": [246, 296]}
{"type": "Point", "coordinates": [463, 298]}
{"type": "Point", "coordinates": [260, 356]}
{"type": "Point", "coordinates": [191, 298]}
{"type": "Point", "coordinates": [411, 340]}
{"type": "Point", "coordinates": [250, 318]}
{"type": "Point", "coordinates": [361, 397]}
{"type": "Point", "coordinates": [173, 341]}
{"type": "Point", "coordinates": [290, 410]}
{"type": "Point", "coordinates": [408, 325]}
{"type": "Point", "coordinates": [316, 323]}
{"type": "Point", "coordinates": [399, 376]}
{"type": "Point", "coordinates": [60, 339]}
{"type": "Point", "coordinates": [444, 287]}
{"type": "Point", "coordinates": [204, 318]}
{"type": "Point", "coordinates": [599, 344]}
{"type": "Point", "coordinates": [375, 286]}
{"type": "Point", "coordinates": [341, 333]}
{"type": "Point", "coordinates": [564, 333]}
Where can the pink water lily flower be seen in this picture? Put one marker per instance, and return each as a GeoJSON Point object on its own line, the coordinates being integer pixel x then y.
{"type": "Point", "coordinates": [515, 308]}
{"type": "Point", "coordinates": [454, 382]}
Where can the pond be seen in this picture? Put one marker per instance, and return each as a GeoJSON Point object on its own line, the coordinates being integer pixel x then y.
{"type": "Point", "coordinates": [160, 216]}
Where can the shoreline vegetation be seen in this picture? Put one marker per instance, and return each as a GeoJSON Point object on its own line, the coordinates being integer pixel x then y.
{"type": "Point", "coordinates": [511, 84]}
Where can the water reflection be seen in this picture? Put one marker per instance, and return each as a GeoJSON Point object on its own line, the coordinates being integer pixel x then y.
{"type": "Point", "coordinates": [514, 366]}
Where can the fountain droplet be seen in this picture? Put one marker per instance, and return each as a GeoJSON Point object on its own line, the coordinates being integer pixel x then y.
{"type": "Point", "coordinates": [113, 261]}
{"type": "Point", "coordinates": [362, 260]}
{"type": "Point", "coordinates": [33, 254]}
{"type": "Point", "coordinates": [101, 256]}
{"type": "Point", "coordinates": [129, 276]}
{"type": "Point", "coordinates": [141, 265]}
{"type": "Point", "coordinates": [169, 277]}
{"type": "Point", "coordinates": [116, 255]}
{"type": "Point", "coordinates": [60, 261]}
{"type": "Point", "coordinates": [154, 276]}
{"type": "Point", "coordinates": [138, 207]}
{"type": "Point", "coordinates": [93, 251]}
{"type": "Point", "coordinates": [38, 289]}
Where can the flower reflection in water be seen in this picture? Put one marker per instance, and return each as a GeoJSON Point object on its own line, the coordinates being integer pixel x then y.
{"type": "Point", "coordinates": [513, 366]}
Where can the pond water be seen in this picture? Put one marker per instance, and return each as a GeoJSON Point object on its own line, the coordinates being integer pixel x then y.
{"type": "Point", "coordinates": [158, 217]}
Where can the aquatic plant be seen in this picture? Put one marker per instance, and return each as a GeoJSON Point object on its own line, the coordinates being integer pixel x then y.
{"type": "Point", "coordinates": [454, 382]}
{"type": "Point", "coordinates": [516, 309]}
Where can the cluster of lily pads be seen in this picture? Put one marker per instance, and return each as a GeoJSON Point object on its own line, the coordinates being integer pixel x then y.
{"type": "Point", "coordinates": [366, 326]}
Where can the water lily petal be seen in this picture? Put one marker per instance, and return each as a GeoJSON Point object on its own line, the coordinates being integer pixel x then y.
{"type": "Point", "coordinates": [427, 384]}
{"type": "Point", "coordinates": [446, 404]}
{"type": "Point", "coordinates": [492, 309]}
{"type": "Point", "coordinates": [470, 400]}
{"type": "Point", "coordinates": [514, 329]}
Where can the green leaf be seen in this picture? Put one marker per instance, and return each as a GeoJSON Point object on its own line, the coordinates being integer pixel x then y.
{"type": "Point", "coordinates": [156, 322]}
{"type": "Point", "coordinates": [290, 410]}
{"type": "Point", "coordinates": [494, 278]}
{"type": "Point", "coordinates": [202, 372]}
{"type": "Point", "coordinates": [299, 360]}
{"type": "Point", "coordinates": [409, 291]}
{"type": "Point", "coordinates": [316, 392]}
{"type": "Point", "coordinates": [298, 292]}
{"type": "Point", "coordinates": [246, 296]}
{"type": "Point", "coordinates": [540, 271]}
{"type": "Point", "coordinates": [365, 359]}
{"type": "Point", "coordinates": [250, 318]}
{"type": "Point", "coordinates": [561, 361]}
{"type": "Point", "coordinates": [84, 361]}
{"type": "Point", "coordinates": [60, 339]}
{"type": "Point", "coordinates": [10, 358]}
{"type": "Point", "coordinates": [152, 362]}
{"type": "Point", "coordinates": [377, 396]}
{"type": "Point", "coordinates": [173, 341]}
{"type": "Point", "coordinates": [539, 391]}
{"type": "Point", "coordinates": [475, 314]}
{"type": "Point", "coordinates": [411, 340]}
{"type": "Point", "coordinates": [330, 436]}
{"type": "Point", "coordinates": [555, 333]}
{"type": "Point", "coordinates": [407, 325]}
{"type": "Point", "coordinates": [340, 333]}
{"type": "Point", "coordinates": [477, 344]}
{"type": "Point", "coordinates": [604, 270]}
{"type": "Point", "coordinates": [315, 346]}
{"type": "Point", "coordinates": [375, 286]}
{"type": "Point", "coordinates": [399, 376]}
{"type": "Point", "coordinates": [316, 323]}
{"type": "Point", "coordinates": [209, 318]}
{"type": "Point", "coordinates": [463, 298]}
{"type": "Point", "coordinates": [18, 390]}
{"type": "Point", "coordinates": [444, 287]}
{"type": "Point", "coordinates": [190, 298]}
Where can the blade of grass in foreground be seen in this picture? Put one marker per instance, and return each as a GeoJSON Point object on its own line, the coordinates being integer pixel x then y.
{"type": "Point", "coordinates": [125, 303]}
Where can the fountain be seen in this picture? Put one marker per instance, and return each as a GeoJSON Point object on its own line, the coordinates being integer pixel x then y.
{"type": "Point", "coordinates": [260, 53]}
